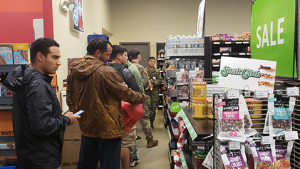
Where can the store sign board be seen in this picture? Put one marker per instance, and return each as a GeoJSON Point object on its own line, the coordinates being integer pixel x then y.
{"type": "Point", "coordinates": [183, 161]}
{"type": "Point", "coordinates": [200, 22]}
{"type": "Point", "coordinates": [189, 126]}
{"type": "Point", "coordinates": [273, 33]}
{"type": "Point", "coordinates": [243, 73]}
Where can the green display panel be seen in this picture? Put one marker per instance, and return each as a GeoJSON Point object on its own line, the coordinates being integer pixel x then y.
{"type": "Point", "coordinates": [273, 33]}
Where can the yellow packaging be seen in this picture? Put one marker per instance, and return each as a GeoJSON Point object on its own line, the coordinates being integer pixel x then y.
{"type": "Point", "coordinates": [21, 53]}
{"type": "Point", "coordinates": [254, 107]}
{"type": "Point", "coordinates": [209, 107]}
{"type": "Point", "coordinates": [199, 91]}
{"type": "Point", "coordinates": [199, 109]}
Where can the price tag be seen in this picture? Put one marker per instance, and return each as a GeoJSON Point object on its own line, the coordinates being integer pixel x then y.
{"type": "Point", "coordinates": [247, 93]}
{"type": "Point", "coordinates": [216, 43]}
{"type": "Point", "coordinates": [233, 145]}
{"type": "Point", "coordinates": [242, 53]}
{"type": "Point", "coordinates": [190, 128]}
{"type": "Point", "coordinates": [266, 140]}
{"type": "Point", "coordinates": [233, 94]}
{"type": "Point", "coordinates": [261, 94]}
{"type": "Point", "coordinates": [248, 53]}
{"type": "Point", "coordinates": [246, 42]}
{"type": "Point", "coordinates": [239, 42]}
{"type": "Point", "coordinates": [225, 54]}
{"type": "Point", "coordinates": [292, 91]}
{"type": "Point", "coordinates": [217, 54]}
{"type": "Point", "coordinates": [291, 135]}
{"type": "Point", "coordinates": [227, 42]}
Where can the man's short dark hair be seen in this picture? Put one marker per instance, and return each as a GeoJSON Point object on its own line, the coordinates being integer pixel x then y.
{"type": "Point", "coordinates": [151, 58]}
{"type": "Point", "coordinates": [41, 45]}
{"type": "Point", "coordinates": [97, 44]}
{"type": "Point", "coordinates": [117, 50]}
{"type": "Point", "coordinates": [134, 53]}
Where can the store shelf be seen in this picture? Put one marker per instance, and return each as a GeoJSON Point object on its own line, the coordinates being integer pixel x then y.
{"type": "Point", "coordinates": [196, 56]}
{"type": "Point", "coordinates": [175, 131]}
{"type": "Point", "coordinates": [186, 159]}
{"type": "Point", "coordinates": [199, 129]}
{"type": "Point", "coordinates": [8, 152]}
{"type": "Point", "coordinates": [7, 68]}
{"type": "Point", "coordinates": [7, 138]}
{"type": "Point", "coordinates": [171, 156]}
{"type": "Point", "coordinates": [6, 99]}
{"type": "Point", "coordinates": [160, 58]}
{"type": "Point", "coordinates": [231, 42]}
{"type": "Point", "coordinates": [232, 54]}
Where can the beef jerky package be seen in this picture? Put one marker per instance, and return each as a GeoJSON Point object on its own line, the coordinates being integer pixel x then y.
{"type": "Point", "coordinates": [270, 109]}
{"type": "Point", "coordinates": [264, 155]}
{"type": "Point", "coordinates": [283, 153]}
{"type": "Point", "coordinates": [182, 77]}
{"type": "Point", "coordinates": [234, 159]}
{"type": "Point", "coordinates": [280, 120]}
{"type": "Point", "coordinates": [231, 121]}
{"type": "Point", "coordinates": [249, 131]}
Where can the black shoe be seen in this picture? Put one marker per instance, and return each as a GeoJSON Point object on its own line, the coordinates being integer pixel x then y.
{"type": "Point", "coordinates": [138, 137]}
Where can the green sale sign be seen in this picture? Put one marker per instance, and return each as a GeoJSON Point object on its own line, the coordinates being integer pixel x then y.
{"type": "Point", "coordinates": [273, 33]}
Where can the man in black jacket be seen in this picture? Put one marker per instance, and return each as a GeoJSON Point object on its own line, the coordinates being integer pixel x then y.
{"type": "Point", "coordinates": [37, 117]}
{"type": "Point", "coordinates": [119, 60]}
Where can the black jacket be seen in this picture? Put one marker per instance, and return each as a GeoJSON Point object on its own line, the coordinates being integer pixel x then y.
{"type": "Point", "coordinates": [37, 119]}
{"type": "Point", "coordinates": [127, 76]}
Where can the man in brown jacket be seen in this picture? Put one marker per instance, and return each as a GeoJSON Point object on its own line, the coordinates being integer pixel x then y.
{"type": "Point", "coordinates": [98, 90]}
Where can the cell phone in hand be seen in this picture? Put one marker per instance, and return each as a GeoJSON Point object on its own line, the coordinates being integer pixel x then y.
{"type": "Point", "coordinates": [79, 113]}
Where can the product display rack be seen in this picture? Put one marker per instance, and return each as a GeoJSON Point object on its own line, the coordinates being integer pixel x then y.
{"type": "Point", "coordinates": [159, 63]}
{"type": "Point", "coordinates": [7, 100]}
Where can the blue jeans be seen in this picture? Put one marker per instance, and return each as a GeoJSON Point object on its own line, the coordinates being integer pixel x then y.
{"type": "Point", "coordinates": [92, 150]}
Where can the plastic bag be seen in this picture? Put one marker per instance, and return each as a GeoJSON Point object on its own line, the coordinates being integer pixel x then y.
{"type": "Point", "coordinates": [270, 109]}
{"type": "Point", "coordinates": [280, 120]}
{"type": "Point", "coordinates": [249, 131]}
{"type": "Point", "coordinates": [234, 159]}
{"type": "Point", "coordinates": [283, 154]}
{"type": "Point", "coordinates": [249, 153]}
{"type": "Point", "coordinates": [264, 155]}
{"type": "Point", "coordinates": [231, 121]}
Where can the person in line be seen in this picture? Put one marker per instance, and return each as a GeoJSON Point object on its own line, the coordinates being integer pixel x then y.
{"type": "Point", "coordinates": [37, 117]}
{"type": "Point", "coordinates": [98, 90]}
{"type": "Point", "coordinates": [135, 55]}
{"type": "Point", "coordinates": [156, 80]}
{"type": "Point", "coordinates": [119, 59]}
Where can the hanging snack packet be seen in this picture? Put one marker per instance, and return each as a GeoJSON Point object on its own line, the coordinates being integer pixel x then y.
{"type": "Point", "coordinates": [281, 120]}
{"type": "Point", "coordinates": [231, 121]}
{"type": "Point", "coordinates": [249, 153]}
{"type": "Point", "coordinates": [234, 159]}
{"type": "Point", "coordinates": [247, 119]}
{"type": "Point", "coordinates": [182, 77]}
{"type": "Point", "coordinates": [283, 153]}
{"type": "Point", "coordinates": [270, 110]}
{"type": "Point", "coordinates": [263, 155]}
{"type": "Point", "coordinates": [196, 75]}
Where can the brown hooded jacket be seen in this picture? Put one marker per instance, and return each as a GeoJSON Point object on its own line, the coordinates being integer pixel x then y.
{"type": "Point", "coordinates": [98, 90]}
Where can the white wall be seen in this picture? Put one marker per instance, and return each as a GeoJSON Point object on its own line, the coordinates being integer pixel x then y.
{"type": "Point", "coordinates": [97, 15]}
{"type": "Point", "coordinates": [153, 21]}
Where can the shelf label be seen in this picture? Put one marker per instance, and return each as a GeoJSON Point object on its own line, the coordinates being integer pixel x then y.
{"type": "Point", "coordinates": [234, 145]}
{"type": "Point", "coordinates": [245, 42]}
{"type": "Point", "coordinates": [217, 54]}
{"type": "Point", "coordinates": [233, 94]}
{"type": "Point", "coordinates": [227, 42]}
{"type": "Point", "coordinates": [216, 43]}
{"type": "Point", "coordinates": [170, 137]}
{"type": "Point", "coordinates": [248, 53]}
{"type": "Point", "coordinates": [266, 140]}
{"type": "Point", "coordinates": [189, 126]}
{"type": "Point", "coordinates": [247, 93]}
{"type": "Point", "coordinates": [292, 91]}
{"type": "Point", "coordinates": [261, 94]}
{"type": "Point", "coordinates": [291, 135]}
{"type": "Point", "coordinates": [225, 54]}
{"type": "Point", "coordinates": [242, 53]}
{"type": "Point", "coordinates": [239, 42]}
{"type": "Point", "coordinates": [183, 160]}
{"type": "Point", "coordinates": [216, 66]}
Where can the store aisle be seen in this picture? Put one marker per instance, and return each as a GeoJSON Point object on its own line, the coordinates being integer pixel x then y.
{"type": "Point", "coordinates": [156, 157]}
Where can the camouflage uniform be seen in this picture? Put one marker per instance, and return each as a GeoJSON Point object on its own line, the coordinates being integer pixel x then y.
{"type": "Point", "coordinates": [154, 95]}
{"type": "Point", "coordinates": [145, 122]}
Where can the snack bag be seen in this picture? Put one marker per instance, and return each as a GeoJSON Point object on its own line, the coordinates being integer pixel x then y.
{"type": "Point", "coordinates": [247, 119]}
{"type": "Point", "coordinates": [280, 120]}
{"type": "Point", "coordinates": [231, 121]}
{"type": "Point", "coordinates": [182, 77]}
{"type": "Point", "coordinates": [263, 155]}
{"type": "Point", "coordinates": [234, 159]}
{"type": "Point", "coordinates": [196, 75]}
{"type": "Point", "coordinates": [270, 109]}
{"type": "Point", "coordinates": [183, 92]}
{"type": "Point", "coordinates": [249, 153]}
{"type": "Point", "coordinates": [283, 153]}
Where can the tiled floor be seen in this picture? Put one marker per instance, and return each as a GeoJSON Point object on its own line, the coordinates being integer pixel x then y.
{"type": "Point", "coordinates": [157, 157]}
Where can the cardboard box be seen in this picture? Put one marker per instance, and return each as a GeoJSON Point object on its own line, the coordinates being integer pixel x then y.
{"type": "Point", "coordinates": [54, 79]}
{"type": "Point", "coordinates": [21, 53]}
{"type": "Point", "coordinates": [6, 127]}
{"type": "Point", "coordinates": [6, 54]}
{"type": "Point", "coordinates": [71, 148]}
{"type": "Point", "coordinates": [70, 154]}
